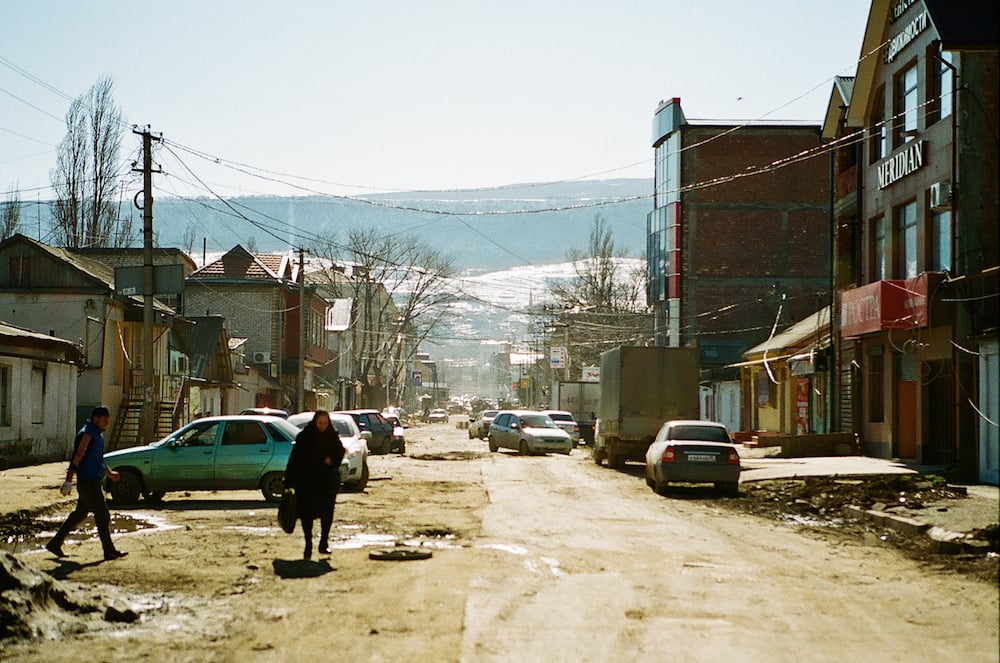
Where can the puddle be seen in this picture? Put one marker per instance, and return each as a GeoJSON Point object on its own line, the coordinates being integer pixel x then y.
{"type": "Point", "coordinates": [451, 455]}
{"type": "Point", "coordinates": [43, 529]}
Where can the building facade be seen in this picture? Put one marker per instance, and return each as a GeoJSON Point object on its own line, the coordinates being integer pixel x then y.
{"type": "Point", "coordinates": [917, 248]}
{"type": "Point", "coordinates": [738, 238]}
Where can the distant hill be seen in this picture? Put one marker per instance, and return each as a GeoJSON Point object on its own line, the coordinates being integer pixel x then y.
{"type": "Point", "coordinates": [468, 229]}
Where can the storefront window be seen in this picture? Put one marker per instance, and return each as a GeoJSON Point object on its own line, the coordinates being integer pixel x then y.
{"type": "Point", "coordinates": [906, 229]}
{"type": "Point", "coordinates": [941, 242]}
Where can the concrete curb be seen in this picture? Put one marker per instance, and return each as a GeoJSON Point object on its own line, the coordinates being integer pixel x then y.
{"type": "Point", "coordinates": [944, 541]}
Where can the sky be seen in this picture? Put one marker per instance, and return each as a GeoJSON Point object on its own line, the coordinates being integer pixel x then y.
{"type": "Point", "coordinates": [348, 98]}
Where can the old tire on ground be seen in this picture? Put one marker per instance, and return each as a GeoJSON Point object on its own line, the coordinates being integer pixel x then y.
{"type": "Point", "coordinates": [127, 489]}
{"type": "Point", "coordinates": [272, 485]}
{"type": "Point", "coordinates": [399, 554]}
{"type": "Point", "coordinates": [493, 445]}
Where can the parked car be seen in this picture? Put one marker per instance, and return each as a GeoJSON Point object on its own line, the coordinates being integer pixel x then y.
{"type": "Point", "coordinates": [354, 467]}
{"type": "Point", "coordinates": [238, 452]}
{"type": "Point", "coordinates": [528, 431]}
{"type": "Point", "coordinates": [381, 429]}
{"type": "Point", "coordinates": [398, 432]}
{"type": "Point", "coordinates": [480, 426]}
{"type": "Point", "coordinates": [266, 412]}
{"type": "Point", "coordinates": [437, 416]}
{"type": "Point", "coordinates": [693, 451]}
{"type": "Point", "coordinates": [565, 421]}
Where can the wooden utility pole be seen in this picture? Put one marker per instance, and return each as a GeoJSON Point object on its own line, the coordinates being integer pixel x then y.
{"type": "Point", "coordinates": [148, 419]}
{"type": "Point", "coordinates": [300, 381]}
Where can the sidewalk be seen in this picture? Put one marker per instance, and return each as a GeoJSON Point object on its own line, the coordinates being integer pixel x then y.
{"type": "Point", "coordinates": [947, 522]}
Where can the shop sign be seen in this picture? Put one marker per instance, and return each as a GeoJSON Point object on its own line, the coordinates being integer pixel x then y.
{"type": "Point", "coordinates": [591, 374]}
{"type": "Point", "coordinates": [908, 160]}
{"type": "Point", "coordinates": [884, 305]}
{"type": "Point", "coordinates": [802, 387]}
{"type": "Point", "coordinates": [899, 8]}
{"type": "Point", "coordinates": [905, 36]}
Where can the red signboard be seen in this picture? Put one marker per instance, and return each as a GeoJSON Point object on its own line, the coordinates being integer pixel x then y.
{"type": "Point", "coordinates": [885, 305]}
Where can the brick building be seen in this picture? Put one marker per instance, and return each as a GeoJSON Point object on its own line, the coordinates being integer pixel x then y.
{"type": "Point", "coordinates": [738, 239]}
{"type": "Point", "coordinates": [258, 296]}
{"type": "Point", "coordinates": [917, 244]}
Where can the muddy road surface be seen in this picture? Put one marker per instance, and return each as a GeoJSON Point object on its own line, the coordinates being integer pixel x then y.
{"type": "Point", "coordinates": [537, 558]}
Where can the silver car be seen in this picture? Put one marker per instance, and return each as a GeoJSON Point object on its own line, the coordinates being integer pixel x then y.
{"type": "Point", "coordinates": [693, 451]}
{"type": "Point", "coordinates": [528, 432]}
{"type": "Point", "coordinates": [354, 467]}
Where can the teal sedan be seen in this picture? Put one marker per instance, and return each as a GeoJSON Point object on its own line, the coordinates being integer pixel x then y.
{"type": "Point", "coordinates": [214, 453]}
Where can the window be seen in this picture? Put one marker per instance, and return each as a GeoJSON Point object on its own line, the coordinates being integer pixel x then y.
{"type": "Point", "coordinates": [20, 271]}
{"type": "Point", "coordinates": [941, 242]}
{"type": "Point", "coordinates": [198, 435]}
{"type": "Point", "coordinates": [943, 80]}
{"type": "Point", "coordinates": [37, 395]}
{"type": "Point", "coordinates": [906, 232]}
{"type": "Point", "coordinates": [243, 432]}
{"type": "Point", "coordinates": [878, 257]}
{"type": "Point", "coordinates": [878, 136]}
{"type": "Point", "coordinates": [876, 375]}
{"type": "Point", "coordinates": [906, 105]}
{"type": "Point", "coordinates": [4, 395]}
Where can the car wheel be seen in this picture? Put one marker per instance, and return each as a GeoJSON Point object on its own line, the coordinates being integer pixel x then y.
{"type": "Point", "coordinates": [127, 489]}
{"type": "Point", "coordinates": [522, 448]}
{"type": "Point", "coordinates": [729, 488]}
{"type": "Point", "coordinates": [402, 448]}
{"type": "Point", "coordinates": [598, 455]}
{"type": "Point", "coordinates": [493, 445]}
{"type": "Point", "coordinates": [650, 483]}
{"type": "Point", "coordinates": [360, 485]}
{"type": "Point", "coordinates": [272, 486]}
{"type": "Point", "coordinates": [616, 461]}
{"type": "Point", "coordinates": [156, 497]}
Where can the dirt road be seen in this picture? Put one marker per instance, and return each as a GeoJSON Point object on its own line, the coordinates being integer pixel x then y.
{"type": "Point", "coordinates": [544, 558]}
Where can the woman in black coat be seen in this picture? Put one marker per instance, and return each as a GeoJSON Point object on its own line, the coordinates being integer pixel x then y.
{"type": "Point", "coordinates": [314, 472]}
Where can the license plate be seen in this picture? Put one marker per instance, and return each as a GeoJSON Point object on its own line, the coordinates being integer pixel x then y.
{"type": "Point", "coordinates": [700, 458]}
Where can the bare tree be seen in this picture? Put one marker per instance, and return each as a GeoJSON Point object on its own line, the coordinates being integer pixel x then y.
{"type": "Point", "coordinates": [603, 305]}
{"type": "Point", "coordinates": [187, 240]}
{"type": "Point", "coordinates": [398, 290]}
{"type": "Point", "coordinates": [86, 175]}
{"type": "Point", "coordinates": [10, 214]}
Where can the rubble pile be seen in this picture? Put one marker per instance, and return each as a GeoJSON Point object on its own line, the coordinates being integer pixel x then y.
{"type": "Point", "coordinates": [34, 604]}
{"type": "Point", "coordinates": [826, 496]}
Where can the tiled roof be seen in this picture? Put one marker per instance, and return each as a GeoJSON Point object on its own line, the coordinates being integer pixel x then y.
{"type": "Point", "coordinates": [238, 263]}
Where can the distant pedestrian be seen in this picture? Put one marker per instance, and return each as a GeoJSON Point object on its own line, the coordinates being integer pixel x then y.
{"type": "Point", "coordinates": [314, 472]}
{"type": "Point", "coordinates": [88, 466]}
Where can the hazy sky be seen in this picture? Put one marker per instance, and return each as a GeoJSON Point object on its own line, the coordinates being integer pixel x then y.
{"type": "Point", "coordinates": [409, 95]}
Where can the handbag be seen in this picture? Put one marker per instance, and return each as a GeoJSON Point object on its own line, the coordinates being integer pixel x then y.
{"type": "Point", "coordinates": [286, 510]}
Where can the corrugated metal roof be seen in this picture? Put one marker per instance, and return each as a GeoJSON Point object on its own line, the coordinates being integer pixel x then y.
{"type": "Point", "coordinates": [816, 325]}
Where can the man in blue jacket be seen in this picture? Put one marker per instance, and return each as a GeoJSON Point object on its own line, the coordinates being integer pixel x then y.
{"type": "Point", "coordinates": [88, 466]}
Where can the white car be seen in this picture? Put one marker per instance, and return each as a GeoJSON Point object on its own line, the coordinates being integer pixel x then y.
{"type": "Point", "coordinates": [354, 467]}
{"type": "Point", "coordinates": [565, 421]}
{"type": "Point", "coordinates": [528, 432]}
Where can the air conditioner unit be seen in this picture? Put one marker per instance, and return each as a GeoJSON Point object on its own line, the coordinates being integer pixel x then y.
{"type": "Point", "coordinates": [941, 196]}
{"type": "Point", "coordinates": [262, 357]}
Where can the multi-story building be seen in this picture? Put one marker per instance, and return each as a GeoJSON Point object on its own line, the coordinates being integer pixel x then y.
{"type": "Point", "coordinates": [738, 239]}
{"type": "Point", "coordinates": [258, 295]}
{"type": "Point", "coordinates": [917, 242]}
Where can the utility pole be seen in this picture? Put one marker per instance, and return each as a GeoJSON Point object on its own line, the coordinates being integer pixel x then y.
{"type": "Point", "coordinates": [148, 418]}
{"type": "Point", "coordinates": [300, 381]}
